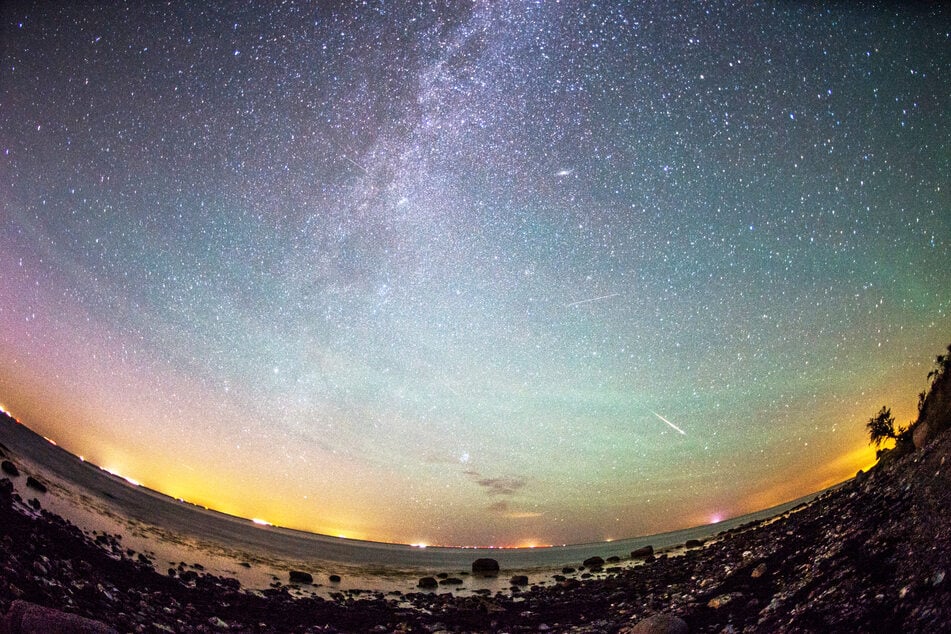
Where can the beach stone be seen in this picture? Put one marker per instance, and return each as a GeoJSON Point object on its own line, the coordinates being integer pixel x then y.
{"type": "Point", "coordinates": [658, 624]}
{"type": "Point", "coordinates": [694, 543]}
{"type": "Point", "coordinates": [451, 581]}
{"type": "Point", "coordinates": [29, 618]}
{"type": "Point", "coordinates": [485, 566]}
{"type": "Point", "coordinates": [35, 484]}
{"type": "Point", "coordinates": [519, 580]}
{"type": "Point", "coordinates": [718, 602]}
{"type": "Point", "coordinates": [188, 576]}
{"type": "Point", "coordinates": [593, 562]}
{"type": "Point", "coordinates": [613, 559]}
{"type": "Point", "coordinates": [9, 468]}
{"type": "Point", "coordinates": [643, 552]}
{"type": "Point", "coordinates": [759, 571]}
{"type": "Point", "coordinates": [428, 583]}
{"type": "Point", "coordinates": [334, 578]}
{"type": "Point", "coordinates": [297, 576]}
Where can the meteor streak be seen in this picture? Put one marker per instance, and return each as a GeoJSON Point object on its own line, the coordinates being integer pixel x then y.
{"type": "Point", "coordinates": [675, 428]}
{"type": "Point", "coordinates": [591, 299]}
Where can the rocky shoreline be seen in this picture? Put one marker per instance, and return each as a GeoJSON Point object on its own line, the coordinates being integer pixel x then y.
{"type": "Point", "coordinates": [872, 555]}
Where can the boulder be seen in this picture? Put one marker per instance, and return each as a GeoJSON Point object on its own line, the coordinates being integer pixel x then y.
{"type": "Point", "coordinates": [334, 578]}
{"type": "Point", "coordinates": [35, 484]}
{"type": "Point", "coordinates": [9, 468]}
{"type": "Point", "coordinates": [296, 576]}
{"type": "Point", "coordinates": [658, 624]}
{"type": "Point", "coordinates": [613, 559]}
{"type": "Point", "coordinates": [451, 581]}
{"type": "Point", "coordinates": [428, 583]}
{"type": "Point", "coordinates": [694, 543]}
{"type": "Point", "coordinates": [643, 552]}
{"type": "Point", "coordinates": [593, 562]}
{"type": "Point", "coordinates": [485, 566]}
{"type": "Point", "coordinates": [29, 618]}
{"type": "Point", "coordinates": [519, 580]}
{"type": "Point", "coordinates": [921, 434]}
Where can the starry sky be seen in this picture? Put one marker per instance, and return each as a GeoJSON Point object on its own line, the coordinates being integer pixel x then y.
{"type": "Point", "coordinates": [473, 273]}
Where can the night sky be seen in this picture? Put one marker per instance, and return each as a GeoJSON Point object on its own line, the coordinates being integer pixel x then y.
{"type": "Point", "coordinates": [473, 273]}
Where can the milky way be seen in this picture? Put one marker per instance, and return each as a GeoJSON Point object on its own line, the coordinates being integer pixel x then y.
{"type": "Point", "coordinates": [491, 273]}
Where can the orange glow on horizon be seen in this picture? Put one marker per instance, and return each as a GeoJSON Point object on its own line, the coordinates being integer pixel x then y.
{"type": "Point", "coordinates": [836, 471]}
{"type": "Point", "coordinates": [115, 473]}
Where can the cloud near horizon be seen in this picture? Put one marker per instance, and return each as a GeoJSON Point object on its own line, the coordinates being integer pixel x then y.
{"type": "Point", "coordinates": [503, 508]}
{"type": "Point", "coordinates": [506, 485]}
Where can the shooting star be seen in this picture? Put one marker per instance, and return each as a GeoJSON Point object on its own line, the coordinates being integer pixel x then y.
{"type": "Point", "coordinates": [591, 299]}
{"type": "Point", "coordinates": [355, 164]}
{"type": "Point", "coordinates": [675, 428]}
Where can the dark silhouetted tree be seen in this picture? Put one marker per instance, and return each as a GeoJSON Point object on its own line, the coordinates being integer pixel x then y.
{"type": "Point", "coordinates": [942, 365]}
{"type": "Point", "coordinates": [881, 427]}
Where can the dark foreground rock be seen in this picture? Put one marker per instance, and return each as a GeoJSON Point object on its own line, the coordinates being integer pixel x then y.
{"type": "Point", "coordinates": [659, 624]}
{"type": "Point", "coordinates": [296, 576]}
{"type": "Point", "coordinates": [871, 556]}
{"type": "Point", "coordinates": [35, 484]}
{"type": "Point", "coordinates": [28, 618]}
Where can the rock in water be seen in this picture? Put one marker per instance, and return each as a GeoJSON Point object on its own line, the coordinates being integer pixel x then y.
{"type": "Point", "coordinates": [334, 578]}
{"type": "Point", "coordinates": [519, 580]}
{"type": "Point", "coordinates": [593, 562]}
{"type": "Point", "coordinates": [428, 583]}
{"type": "Point", "coordinates": [9, 468]}
{"type": "Point", "coordinates": [659, 624]}
{"type": "Point", "coordinates": [35, 484]}
{"type": "Point", "coordinates": [485, 566]}
{"type": "Point", "coordinates": [694, 543]}
{"type": "Point", "coordinates": [296, 576]}
{"type": "Point", "coordinates": [29, 618]}
{"type": "Point", "coordinates": [643, 552]}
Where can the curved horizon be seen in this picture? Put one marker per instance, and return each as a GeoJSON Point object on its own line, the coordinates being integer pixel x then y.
{"type": "Point", "coordinates": [507, 273]}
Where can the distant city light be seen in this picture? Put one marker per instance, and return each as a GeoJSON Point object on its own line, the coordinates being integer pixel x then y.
{"type": "Point", "coordinates": [119, 475]}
